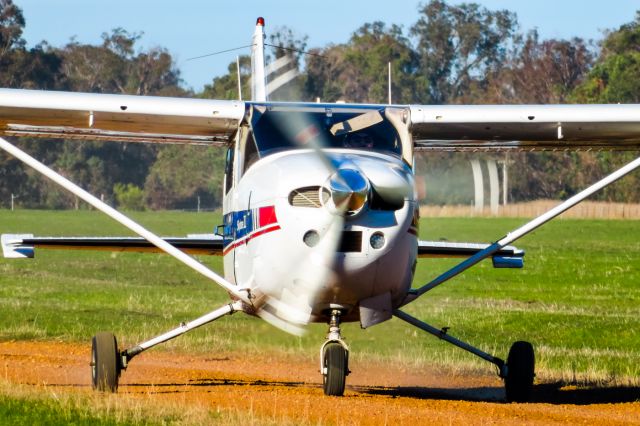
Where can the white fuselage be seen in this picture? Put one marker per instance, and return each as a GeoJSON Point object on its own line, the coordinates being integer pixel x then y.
{"type": "Point", "coordinates": [271, 207]}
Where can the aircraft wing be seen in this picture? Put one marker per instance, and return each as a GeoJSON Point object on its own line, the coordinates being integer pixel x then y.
{"type": "Point", "coordinates": [525, 127]}
{"type": "Point", "coordinates": [507, 257]}
{"type": "Point", "coordinates": [24, 245]}
{"type": "Point", "coordinates": [117, 117]}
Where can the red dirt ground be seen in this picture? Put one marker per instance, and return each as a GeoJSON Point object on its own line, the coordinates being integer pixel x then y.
{"type": "Point", "coordinates": [284, 387]}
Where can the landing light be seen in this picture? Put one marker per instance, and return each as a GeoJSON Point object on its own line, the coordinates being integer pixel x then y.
{"type": "Point", "coordinates": [377, 240]}
{"type": "Point", "coordinates": [311, 238]}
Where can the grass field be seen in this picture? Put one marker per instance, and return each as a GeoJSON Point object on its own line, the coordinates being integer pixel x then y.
{"type": "Point", "coordinates": [577, 299]}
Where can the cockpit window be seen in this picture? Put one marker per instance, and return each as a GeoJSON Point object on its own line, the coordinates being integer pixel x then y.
{"type": "Point", "coordinates": [280, 130]}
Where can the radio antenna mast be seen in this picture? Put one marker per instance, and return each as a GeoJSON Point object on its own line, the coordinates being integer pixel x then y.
{"type": "Point", "coordinates": [389, 78]}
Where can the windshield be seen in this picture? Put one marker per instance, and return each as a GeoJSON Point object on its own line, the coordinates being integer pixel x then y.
{"type": "Point", "coordinates": [275, 131]}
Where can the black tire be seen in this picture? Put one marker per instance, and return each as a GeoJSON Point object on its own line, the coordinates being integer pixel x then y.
{"type": "Point", "coordinates": [336, 369]}
{"type": "Point", "coordinates": [520, 372]}
{"type": "Point", "coordinates": [105, 362]}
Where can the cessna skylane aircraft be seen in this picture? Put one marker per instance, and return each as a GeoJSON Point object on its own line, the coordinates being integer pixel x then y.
{"type": "Point", "coordinates": [320, 210]}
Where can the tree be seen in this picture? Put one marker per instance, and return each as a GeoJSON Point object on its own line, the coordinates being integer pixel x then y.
{"type": "Point", "coordinates": [458, 46]}
{"type": "Point", "coordinates": [614, 79]}
{"type": "Point", "coordinates": [21, 68]}
{"type": "Point", "coordinates": [182, 174]}
{"type": "Point", "coordinates": [114, 67]}
{"type": "Point", "coordinates": [226, 86]}
{"type": "Point", "coordinates": [323, 71]}
{"type": "Point", "coordinates": [98, 166]}
{"type": "Point", "coordinates": [153, 72]}
{"type": "Point", "coordinates": [89, 68]}
{"type": "Point", "coordinates": [13, 178]}
{"type": "Point", "coordinates": [129, 197]}
{"type": "Point", "coordinates": [357, 71]}
{"type": "Point", "coordinates": [11, 26]}
{"type": "Point", "coordinates": [541, 72]}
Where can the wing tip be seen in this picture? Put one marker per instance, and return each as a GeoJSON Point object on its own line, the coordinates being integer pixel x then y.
{"type": "Point", "coordinates": [14, 248]}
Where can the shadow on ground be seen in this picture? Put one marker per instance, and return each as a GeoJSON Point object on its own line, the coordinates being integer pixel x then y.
{"type": "Point", "coordinates": [548, 393]}
{"type": "Point", "coordinates": [561, 393]}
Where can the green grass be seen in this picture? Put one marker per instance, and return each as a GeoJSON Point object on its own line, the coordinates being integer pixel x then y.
{"type": "Point", "coordinates": [577, 299]}
{"type": "Point", "coordinates": [28, 405]}
{"type": "Point", "coordinates": [20, 411]}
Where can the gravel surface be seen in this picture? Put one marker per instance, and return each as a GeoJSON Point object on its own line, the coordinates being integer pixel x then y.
{"type": "Point", "coordinates": [287, 387]}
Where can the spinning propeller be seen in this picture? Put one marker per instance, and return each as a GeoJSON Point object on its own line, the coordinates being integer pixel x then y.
{"type": "Point", "coordinates": [289, 306]}
{"type": "Point", "coordinates": [351, 182]}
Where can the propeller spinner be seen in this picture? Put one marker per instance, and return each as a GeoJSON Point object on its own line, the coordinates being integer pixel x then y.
{"type": "Point", "coordinates": [349, 190]}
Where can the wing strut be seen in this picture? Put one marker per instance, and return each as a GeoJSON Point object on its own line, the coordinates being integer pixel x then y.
{"type": "Point", "coordinates": [124, 220]}
{"type": "Point", "coordinates": [523, 230]}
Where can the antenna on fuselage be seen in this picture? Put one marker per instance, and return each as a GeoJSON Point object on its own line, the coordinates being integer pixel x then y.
{"type": "Point", "coordinates": [258, 77]}
{"type": "Point", "coordinates": [389, 79]}
{"type": "Point", "coordinates": [239, 78]}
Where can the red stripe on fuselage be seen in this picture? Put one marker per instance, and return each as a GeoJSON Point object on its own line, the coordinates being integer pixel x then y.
{"type": "Point", "coordinates": [250, 237]}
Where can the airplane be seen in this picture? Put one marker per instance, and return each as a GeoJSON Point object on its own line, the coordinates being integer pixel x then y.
{"type": "Point", "coordinates": [320, 212]}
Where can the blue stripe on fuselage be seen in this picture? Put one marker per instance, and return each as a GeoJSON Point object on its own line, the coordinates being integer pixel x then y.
{"type": "Point", "coordinates": [237, 225]}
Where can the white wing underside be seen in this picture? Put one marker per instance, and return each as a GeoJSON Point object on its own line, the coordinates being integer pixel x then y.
{"type": "Point", "coordinates": [211, 122]}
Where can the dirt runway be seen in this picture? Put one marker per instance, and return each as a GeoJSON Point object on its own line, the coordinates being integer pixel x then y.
{"type": "Point", "coordinates": [279, 386]}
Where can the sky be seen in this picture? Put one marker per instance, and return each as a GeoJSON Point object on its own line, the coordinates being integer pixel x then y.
{"type": "Point", "coordinates": [189, 28]}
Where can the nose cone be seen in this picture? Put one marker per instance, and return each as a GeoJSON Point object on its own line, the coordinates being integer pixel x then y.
{"type": "Point", "coordinates": [349, 190]}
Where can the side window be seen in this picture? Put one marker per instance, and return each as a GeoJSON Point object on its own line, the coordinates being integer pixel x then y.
{"type": "Point", "coordinates": [228, 169]}
{"type": "Point", "coordinates": [250, 152]}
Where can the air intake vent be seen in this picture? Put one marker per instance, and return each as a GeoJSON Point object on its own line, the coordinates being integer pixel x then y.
{"type": "Point", "coordinates": [351, 242]}
{"type": "Point", "coordinates": [308, 197]}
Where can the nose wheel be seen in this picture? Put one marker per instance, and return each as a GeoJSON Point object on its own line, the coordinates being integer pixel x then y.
{"type": "Point", "coordinates": [335, 369]}
{"type": "Point", "coordinates": [334, 359]}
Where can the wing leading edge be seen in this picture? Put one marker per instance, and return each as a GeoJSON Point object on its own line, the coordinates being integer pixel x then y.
{"type": "Point", "coordinates": [117, 117]}
{"type": "Point", "coordinates": [24, 245]}
{"type": "Point", "coordinates": [525, 127]}
{"type": "Point", "coordinates": [202, 121]}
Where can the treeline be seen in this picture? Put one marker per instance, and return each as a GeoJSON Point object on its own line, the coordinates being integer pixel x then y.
{"type": "Point", "coordinates": [134, 176]}
{"type": "Point", "coordinates": [452, 54]}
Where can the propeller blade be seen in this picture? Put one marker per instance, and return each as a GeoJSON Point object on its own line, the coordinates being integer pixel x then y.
{"type": "Point", "coordinates": [289, 306]}
{"type": "Point", "coordinates": [392, 184]}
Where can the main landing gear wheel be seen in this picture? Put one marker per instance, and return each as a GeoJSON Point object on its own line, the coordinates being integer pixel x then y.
{"type": "Point", "coordinates": [105, 362]}
{"type": "Point", "coordinates": [335, 369]}
{"type": "Point", "coordinates": [518, 383]}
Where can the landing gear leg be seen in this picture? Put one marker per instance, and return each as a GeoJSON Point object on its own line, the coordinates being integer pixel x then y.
{"type": "Point", "coordinates": [107, 362]}
{"type": "Point", "coordinates": [517, 372]}
{"type": "Point", "coordinates": [334, 359]}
